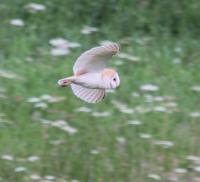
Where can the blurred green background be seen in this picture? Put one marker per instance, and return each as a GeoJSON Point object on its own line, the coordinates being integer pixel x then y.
{"type": "Point", "coordinates": [147, 130]}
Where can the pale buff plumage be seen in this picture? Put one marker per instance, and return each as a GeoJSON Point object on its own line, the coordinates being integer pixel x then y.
{"type": "Point", "coordinates": [91, 77]}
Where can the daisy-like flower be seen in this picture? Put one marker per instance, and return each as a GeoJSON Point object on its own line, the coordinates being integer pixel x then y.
{"type": "Point", "coordinates": [20, 169]}
{"type": "Point", "coordinates": [33, 99]}
{"type": "Point", "coordinates": [195, 114]}
{"type": "Point", "coordinates": [33, 158]}
{"type": "Point", "coordinates": [101, 114]}
{"type": "Point", "coordinates": [9, 74]}
{"type": "Point", "coordinates": [17, 22]}
{"type": "Point", "coordinates": [41, 105]}
{"type": "Point", "coordinates": [105, 42]}
{"type": "Point", "coordinates": [197, 168]}
{"type": "Point", "coordinates": [128, 57]}
{"type": "Point", "coordinates": [196, 88]}
{"type": "Point", "coordinates": [180, 170]}
{"type": "Point", "coordinates": [154, 176]}
{"type": "Point", "coordinates": [134, 122]}
{"type": "Point", "coordinates": [88, 30]}
{"type": "Point", "coordinates": [83, 109]}
{"type": "Point", "coordinates": [59, 52]}
{"type": "Point", "coordinates": [94, 151]}
{"type": "Point", "coordinates": [176, 61]}
{"type": "Point", "coordinates": [35, 177]}
{"type": "Point", "coordinates": [193, 158]}
{"type": "Point", "coordinates": [149, 87]}
{"type": "Point", "coordinates": [64, 126]}
{"type": "Point", "coordinates": [48, 177]}
{"type": "Point", "coordinates": [122, 107]}
{"type": "Point", "coordinates": [160, 109]}
{"type": "Point", "coordinates": [34, 7]}
{"type": "Point", "coordinates": [7, 157]}
{"type": "Point", "coordinates": [164, 143]}
{"type": "Point", "coordinates": [121, 140]}
{"type": "Point", "coordinates": [145, 135]}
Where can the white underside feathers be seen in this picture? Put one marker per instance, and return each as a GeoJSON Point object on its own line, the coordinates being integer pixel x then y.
{"type": "Point", "coordinates": [87, 94]}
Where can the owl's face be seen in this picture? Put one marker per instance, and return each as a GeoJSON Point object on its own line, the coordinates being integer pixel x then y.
{"type": "Point", "coordinates": [111, 78]}
{"type": "Point", "coordinates": [114, 81]}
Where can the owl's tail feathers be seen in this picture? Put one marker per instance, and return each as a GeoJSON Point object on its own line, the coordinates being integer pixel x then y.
{"type": "Point", "coordinates": [65, 81]}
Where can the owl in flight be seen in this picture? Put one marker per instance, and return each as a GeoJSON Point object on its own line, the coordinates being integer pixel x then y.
{"type": "Point", "coordinates": [91, 77]}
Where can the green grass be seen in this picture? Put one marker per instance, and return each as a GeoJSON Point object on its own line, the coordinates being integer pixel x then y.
{"type": "Point", "coordinates": [122, 155]}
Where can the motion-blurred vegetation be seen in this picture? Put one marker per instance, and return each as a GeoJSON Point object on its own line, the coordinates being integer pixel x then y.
{"type": "Point", "coordinates": [147, 130]}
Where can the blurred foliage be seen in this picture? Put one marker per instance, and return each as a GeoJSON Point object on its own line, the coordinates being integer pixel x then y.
{"type": "Point", "coordinates": [126, 17]}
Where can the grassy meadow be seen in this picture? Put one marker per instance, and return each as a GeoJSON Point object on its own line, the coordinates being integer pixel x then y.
{"type": "Point", "coordinates": [146, 130]}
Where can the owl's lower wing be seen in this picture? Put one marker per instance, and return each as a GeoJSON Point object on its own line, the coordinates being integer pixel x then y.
{"type": "Point", "coordinates": [95, 59]}
{"type": "Point", "coordinates": [87, 94]}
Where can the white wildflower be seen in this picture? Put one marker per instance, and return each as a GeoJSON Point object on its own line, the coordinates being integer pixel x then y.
{"type": "Point", "coordinates": [74, 180]}
{"type": "Point", "coordinates": [94, 151]}
{"type": "Point", "coordinates": [35, 177]}
{"type": "Point", "coordinates": [70, 129]}
{"type": "Point", "coordinates": [73, 44]}
{"type": "Point", "coordinates": [59, 52]}
{"type": "Point", "coordinates": [164, 143]}
{"type": "Point", "coordinates": [20, 169]}
{"type": "Point", "coordinates": [135, 94]}
{"type": "Point", "coordinates": [110, 91]}
{"type": "Point", "coordinates": [7, 157]}
{"type": "Point", "coordinates": [33, 99]}
{"type": "Point", "coordinates": [46, 97]}
{"type": "Point", "coordinates": [134, 122]}
{"type": "Point", "coordinates": [41, 105]}
{"type": "Point", "coordinates": [58, 42]}
{"type": "Point", "coordinates": [122, 107]}
{"type": "Point", "coordinates": [121, 140]}
{"type": "Point", "coordinates": [17, 22]}
{"type": "Point", "coordinates": [180, 170]}
{"type": "Point", "coordinates": [59, 123]}
{"type": "Point", "coordinates": [197, 168]}
{"type": "Point", "coordinates": [171, 104]}
{"type": "Point", "coordinates": [160, 109]}
{"type": "Point", "coordinates": [33, 158]}
{"type": "Point", "coordinates": [45, 121]}
{"type": "Point", "coordinates": [178, 49]}
{"type": "Point", "coordinates": [193, 158]}
{"type": "Point", "coordinates": [195, 114]}
{"type": "Point", "coordinates": [83, 109]}
{"type": "Point", "coordinates": [34, 7]}
{"type": "Point", "coordinates": [105, 42]}
{"type": "Point", "coordinates": [50, 177]}
{"type": "Point", "coordinates": [176, 61]}
{"type": "Point", "coordinates": [158, 98]}
{"type": "Point", "coordinates": [9, 74]}
{"type": "Point", "coordinates": [89, 30]}
{"type": "Point", "coordinates": [101, 114]}
{"type": "Point", "coordinates": [64, 126]}
{"type": "Point", "coordinates": [128, 57]}
{"type": "Point", "coordinates": [145, 135]}
{"type": "Point", "coordinates": [149, 87]}
{"type": "Point", "coordinates": [63, 43]}
{"type": "Point", "coordinates": [154, 176]}
{"type": "Point", "coordinates": [196, 88]}
{"type": "Point", "coordinates": [141, 109]}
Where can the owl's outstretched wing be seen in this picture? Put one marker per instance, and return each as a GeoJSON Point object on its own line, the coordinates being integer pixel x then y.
{"type": "Point", "coordinates": [87, 94]}
{"type": "Point", "coordinates": [95, 59]}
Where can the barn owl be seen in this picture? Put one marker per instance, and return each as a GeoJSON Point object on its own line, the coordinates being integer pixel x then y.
{"type": "Point", "coordinates": [91, 77]}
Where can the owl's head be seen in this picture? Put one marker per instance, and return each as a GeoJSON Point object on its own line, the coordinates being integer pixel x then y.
{"type": "Point", "coordinates": [110, 78]}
